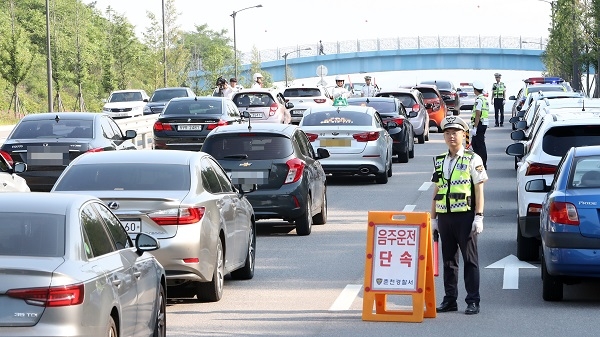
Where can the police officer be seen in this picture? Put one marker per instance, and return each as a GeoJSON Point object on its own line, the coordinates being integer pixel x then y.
{"type": "Point", "coordinates": [479, 122]}
{"type": "Point", "coordinates": [368, 90]}
{"type": "Point", "coordinates": [339, 90]}
{"type": "Point", "coordinates": [258, 80]}
{"type": "Point", "coordinates": [499, 97]}
{"type": "Point", "coordinates": [457, 213]}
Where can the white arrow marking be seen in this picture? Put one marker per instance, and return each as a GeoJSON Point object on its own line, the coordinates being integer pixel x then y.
{"type": "Point", "coordinates": [511, 266]}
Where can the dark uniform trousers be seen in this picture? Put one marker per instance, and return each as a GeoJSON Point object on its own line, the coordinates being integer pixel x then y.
{"type": "Point", "coordinates": [455, 232]}
{"type": "Point", "coordinates": [478, 143]}
{"type": "Point", "coordinates": [499, 110]}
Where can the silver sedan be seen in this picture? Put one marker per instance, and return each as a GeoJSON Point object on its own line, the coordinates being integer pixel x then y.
{"type": "Point", "coordinates": [206, 228]}
{"type": "Point", "coordinates": [70, 269]}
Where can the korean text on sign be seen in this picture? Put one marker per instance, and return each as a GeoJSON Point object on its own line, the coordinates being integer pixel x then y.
{"type": "Point", "coordinates": [395, 257]}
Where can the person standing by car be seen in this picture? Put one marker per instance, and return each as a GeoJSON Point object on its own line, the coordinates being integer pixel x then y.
{"type": "Point", "coordinates": [235, 87]}
{"type": "Point", "coordinates": [339, 90]}
{"type": "Point", "coordinates": [499, 97]}
{"type": "Point", "coordinates": [258, 81]}
{"type": "Point", "coordinates": [222, 89]}
{"type": "Point", "coordinates": [368, 90]}
{"type": "Point", "coordinates": [479, 122]}
{"type": "Point", "coordinates": [457, 213]}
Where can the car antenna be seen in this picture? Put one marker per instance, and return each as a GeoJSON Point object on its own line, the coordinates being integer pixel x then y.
{"type": "Point", "coordinates": [583, 105]}
{"type": "Point", "coordinates": [249, 120]}
{"type": "Point", "coordinates": [195, 98]}
{"type": "Point", "coordinates": [56, 118]}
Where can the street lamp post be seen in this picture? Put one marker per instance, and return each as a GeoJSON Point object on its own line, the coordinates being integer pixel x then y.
{"type": "Point", "coordinates": [233, 15]}
{"type": "Point", "coordinates": [285, 56]}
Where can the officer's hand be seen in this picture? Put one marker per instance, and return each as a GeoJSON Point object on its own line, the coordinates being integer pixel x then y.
{"type": "Point", "coordinates": [473, 132]}
{"type": "Point", "coordinates": [434, 225]}
{"type": "Point", "coordinates": [477, 224]}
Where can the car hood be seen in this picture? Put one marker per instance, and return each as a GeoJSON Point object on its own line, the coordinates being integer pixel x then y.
{"type": "Point", "coordinates": [114, 105]}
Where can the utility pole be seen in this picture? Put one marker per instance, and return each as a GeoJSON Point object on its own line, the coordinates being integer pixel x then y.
{"type": "Point", "coordinates": [164, 40]}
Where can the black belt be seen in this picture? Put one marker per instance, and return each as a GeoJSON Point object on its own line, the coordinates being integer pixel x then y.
{"type": "Point", "coordinates": [450, 196]}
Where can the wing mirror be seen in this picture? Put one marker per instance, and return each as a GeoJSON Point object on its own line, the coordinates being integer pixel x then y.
{"type": "Point", "coordinates": [245, 114]}
{"type": "Point", "coordinates": [322, 153]}
{"type": "Point", "coordinates": [512, 98]}
{"type": "Point", "coordinates": [246, 188]}
{"type": "Point", "coordinates": [515, 149]}
{"type": "Point", "coordinates": [537, 185]}
{"type": "Point", "coordinates": [130, 134]}
{"type": "Point", "coordinates": [518, 135]}
{"type": "Point", "coordinates": [413, 114]}
{"type": "Point", "coordinates": [145, 243]}
{"type": "Point", "coordinates": [289, 105]}
{"type": "Point", "coordinates": [19, 167]}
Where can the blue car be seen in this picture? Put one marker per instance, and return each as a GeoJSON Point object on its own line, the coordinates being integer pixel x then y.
{"type": "Point", "coordinates": [570, 221]}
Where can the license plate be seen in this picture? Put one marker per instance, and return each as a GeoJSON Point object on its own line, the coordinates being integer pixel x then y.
{"type": "Point", "coordinates": [335, 142]}
{"type": "Point", "coordinates": [189, 128]}
{"type": "Point", "coordinates": [249, 177]}
{"type": "Point", "coordinates": [256, 115]}
{"type": "Point", "coordinates": [48, 155]}
{"type": "Point", "coordinates": [132, 225]}
{"type": "Point", "coordinates": [298, 112]}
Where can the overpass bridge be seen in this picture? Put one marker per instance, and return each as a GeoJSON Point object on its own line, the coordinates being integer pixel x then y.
{"type": "Point", "coordinates": [402, 54]}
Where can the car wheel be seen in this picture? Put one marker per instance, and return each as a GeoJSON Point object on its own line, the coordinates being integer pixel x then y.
{"type": "Point", "coordinates": [321, 217]}
{"type": "Point", "coordinates": [411, 152]}
{"type": "Point", "coordinates": [304, 222]}
{"type": "Point", "coordinates": [516, 166]}
{"type": "Point", "coordinates": [213, 291]}
{"type": "Point", "coordinates": [527, 248]}
{"type": "Point", "coordinates": [160, 326]}
{"type": "Point", "coordinates": [427, 135]}
{"type": "Point", "coordinates": [389, 171]}
{"type": "Point", "coordinates": [382, 177]}
{"type": "Point", "coordinates": [403, 156]}
{"type": "Point", "coordinates": [455, 113]}
{"type": "Point", "coordinates": [552, 286]}
{"type": "Point", "coordinates": [247, 271]}
{"type": "Point", "coordinates": [421, 139]}
{"type": "Point", "coordinates": [112, 328]}
{"type": "Point", "coordinates": [439, 130]}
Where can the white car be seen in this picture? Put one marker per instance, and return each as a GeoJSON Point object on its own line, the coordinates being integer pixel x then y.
{"type": "Point", "coordinates": [304, 97]}
{"type": "Point", "coordinates": [263, 105]}
{"type": "Point", "coordinates": [556, 133]}
{"type": "Point", "coordinates": [9, 181]}
{"type": "Point", "coordinates": [126, 103]}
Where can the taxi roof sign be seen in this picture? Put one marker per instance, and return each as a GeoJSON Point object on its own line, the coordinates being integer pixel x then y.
{"type": "Point", "coordinates": [340, 101]}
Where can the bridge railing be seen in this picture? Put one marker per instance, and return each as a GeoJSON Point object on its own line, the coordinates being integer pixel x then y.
{"type": "Point", "coordinates": [417, 42]}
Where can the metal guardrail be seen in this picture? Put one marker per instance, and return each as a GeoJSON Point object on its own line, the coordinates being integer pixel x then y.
{"type": "Point", "coordinates": [394, 43]}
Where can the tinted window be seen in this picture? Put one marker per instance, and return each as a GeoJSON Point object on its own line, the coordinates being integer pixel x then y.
{"type": "Point", "coordinates": [126, 177]}
{"type": "Point", "coordinates": [380, 106]}
{"type": "Point", "coordinates": [586, 173]}
{"type": "Point", "coordinates": [351, 118]}
{"type": "Point", "coordinates": [70, 128]}
{"type": "Point", "coordinates": [166, 95]}
{"type": "Point", "coordinates": [427, 94]}
{"type": "Point", "coordinates": [193, 107]}
{"type": "Point", "coordinates": [32, 234]}
{"type": "Point", "coordinates": [440, 84]}
{"type": "Point", "coordinates": [255, 146]}
{"type": "Point", "coordinates": [558, 140]}
{"type": "Point", "coordinates": [301, 92]}
{"type": "Point", "coordinates": [407, 100]}
{"type": "Point", "coordinates": [226, 185]}
{"type": "Point", "coordinates": [119, 235]}
{"type": "Point", "coordinates": [253, 100]}
{"type": "Point", "coordinates": [210, 181]}
{"type": "Point", "coordinates": [100, 242]}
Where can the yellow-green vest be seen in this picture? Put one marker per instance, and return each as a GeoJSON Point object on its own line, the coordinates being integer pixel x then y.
{"type": "Point", "coordinates": [485, 109]}
{"type": "Point", "coordinates": [457, 198]}
{"type": "Point", "coordinates": [498, 91]}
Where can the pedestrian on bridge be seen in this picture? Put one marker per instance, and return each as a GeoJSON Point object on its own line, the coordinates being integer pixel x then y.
{"type": "Point", "coordinates": [499, 98]}
{"type": "Point", "coordinates": [479, 122]}
{"type": "Point", "coordinates": [457, 213]}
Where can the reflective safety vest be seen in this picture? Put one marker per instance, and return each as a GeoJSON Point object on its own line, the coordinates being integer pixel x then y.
{"type": "Point", "coordinates": [485, 110]}
{"type": "Point", "coordinates": [454, 194]}
{"type": "Point", "coordinates": [498, 90]}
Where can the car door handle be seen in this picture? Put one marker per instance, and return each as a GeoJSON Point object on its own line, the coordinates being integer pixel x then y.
{"type": "Point", "coordinates": [137, 274]}
{"type": "Point", "coordinates": [116, 283]}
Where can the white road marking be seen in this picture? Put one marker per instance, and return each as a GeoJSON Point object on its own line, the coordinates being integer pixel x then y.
{"type": "Point", "coordinates": [344, 301]}
{"type": "Point", "coordinates": [425, 186]}
{"type": "Point", "coordinates": [409, 208]}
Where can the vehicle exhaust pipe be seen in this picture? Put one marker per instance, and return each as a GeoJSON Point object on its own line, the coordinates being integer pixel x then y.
{"type": "Point", "coordinates": [364, 170]}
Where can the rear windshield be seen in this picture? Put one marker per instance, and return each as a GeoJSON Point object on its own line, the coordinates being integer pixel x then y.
{"type": "Point", "coordinates": [586, 173]}
{"type": "Point", "coordinates": [558, 140]}
{"type": "Point", "coordinates": [253, 100]}
{"type": "Point", "coordinates": [132, 96]}
{"type": "Point", "coordinates": [65, 128]}
{"type": "Point", "coordinates": [544, 88]}
{"type": "Point", "coordinates": [32, 234]}
{"type": "Point", "coordinates": [166, 95]}
{"type": "Point", "coordinates": [255, 146]}
{"type": "Point", "coordinates": [325, 118]}
{"type": "Point", "coordinates": [302, 92]}
{"type": "Point", "coordinates": [406, 99]}
{"type": "Point", "coordinates": [380, 106]}
{"type": "Point", "coordinates": [193, 107]}
{"type": "Point", "coordinates": [126, 177]}
{"type": "Point", "coordinates": [428, 93]}
{"type": "Point", "coordinates": [440, 84]}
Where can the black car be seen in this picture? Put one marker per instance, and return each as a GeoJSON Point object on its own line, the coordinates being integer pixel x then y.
{"type": "Point", "coordinates": [162, 96]}
{"type": "Point", "coordinates": [278, 158]}
{"type": "Point", "coordinates": [186, 121]}
{"type": "Point", "coordinates": [449, 94]}
{"type": "Point", "coordinates": [48, 142]}
{"type": "Point", "coordinates": [391, 110]}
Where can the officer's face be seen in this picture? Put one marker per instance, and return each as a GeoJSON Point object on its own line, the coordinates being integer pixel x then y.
{"type": "Point", "coordinates": [497, 78]}
{"type": "Point", "coordinates": [454, 137]}
{"type": "Point", "coordinates": [339, 83]}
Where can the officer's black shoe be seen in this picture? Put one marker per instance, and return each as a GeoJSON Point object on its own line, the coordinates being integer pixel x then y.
{"type": "Point", "coordinates": [447, 306]}
{"type": "Point", "coordinates": [496, 124]}
{"type": "Point", "coordinates": [501, 125]}
{"type": "Point", "coordinates": [472, 309]}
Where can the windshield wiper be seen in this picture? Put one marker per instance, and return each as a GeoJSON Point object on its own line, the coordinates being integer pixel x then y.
{"type": "Point", "coordinates": [236, 156]}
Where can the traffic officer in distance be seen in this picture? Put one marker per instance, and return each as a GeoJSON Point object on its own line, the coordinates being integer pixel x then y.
{"type": "Point", "coordinates": [479, 122]}
{"type": "Point", "coordinates": [368, 90]}
{"type": "Point", "coordinates": [499, 97]}
{"type": "Point", "coordinates": [457, 213]}
{"type": "Point", "coordinates": [339, 90]}
{"type": "Point", "coordinates": [258, 80]}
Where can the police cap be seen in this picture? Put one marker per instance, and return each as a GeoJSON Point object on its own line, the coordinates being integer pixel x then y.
{"type": "Point", "coordinates": [497, 75]}
{"type": "Point", "coordinates": [454, 122]}
{"type": "Point", "coordinates": [367, 77]}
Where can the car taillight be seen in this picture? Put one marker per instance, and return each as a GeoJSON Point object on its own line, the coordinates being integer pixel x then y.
{"type": "Point", "coordinates": [214, 126]}
{"type": "Point", "coordinates": [178, 216]}
{"type": "Point", "coordinates": [312, 137]}
{"type": "Point", "coordinates": [7, 157]}
{"type": "Point", "coordinates": [61, 296]}
{"type": "Point", "coordinates": [564, 213]}
{"type": "Point", "coordinates": [320, 100]}
{"type": "Point", "coordinates": [159, 126]}
{"type": "Point", "coordinates": [366, 136]}
{"type": "Point", "coordinates": [98, 149]}
{"type": "Point", "coordinates": [416, 107]}
{"type": "Point", "coordinates": [399, 121]}
{"type": "Point", "coordinates": [534, 209]}
{"type": "Point", "coordinates": [295, 169]}
{"type": "Point", "coordinates": [540, 169]}
{"type": "Point", "coordinates": [273, 109]}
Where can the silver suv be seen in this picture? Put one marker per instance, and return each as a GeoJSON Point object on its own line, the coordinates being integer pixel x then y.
{"type": "Point", "coordinates": [412, 99]}
{"type": "Point", "coordinates": [304, 97]}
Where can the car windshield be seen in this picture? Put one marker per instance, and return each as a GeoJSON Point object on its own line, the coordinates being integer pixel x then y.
{"type": "Point", "coordinates": [167, 95]}
{"type": "Point", "coordinates": [126, 177]}
{"type": "Point", "coordinates": [194, 107]}
{"type": "Point", "coordinates": [467, 89]}
{"type": "Point", "coordinates": [440, 84]}
{"type": "Point", "coordinates": [558, 140]}
{"type": "Point", "coordinates": [129, 96]}
{"type": "Point", "coordinates": [253, 100]}
{"type": "Point", "coordinates": [64, 128]}
{"type": "Point", "coordinates": [302, 92]}
{"type": "Point", "coordinates": [335, 118]}
{"type": "Point", "coordinates": [586, 173]}
{"type": "Point", "coordinates": [380, 106]}
{"type": "Point", "coordinates": [32, 234]}
{"type": "Point", "coordinates": [256, 146]}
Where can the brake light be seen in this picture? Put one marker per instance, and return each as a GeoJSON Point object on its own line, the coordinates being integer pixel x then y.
{"type": "Point", "coordinates": [399, 121]}
{"type": "Point", "coordinates": [61, 296]}
{"type": "Point", "coordinates": [416, 107]}
{"type": "Point", "coordinates": [564, 213]}
{"type": "Point", "coordinates": [312, 137]}
{"type": "Point", "coordinates": [178, 216]}
{"type": "Point", "coordinates": [320, 100]}
{"type": "Point", "coordinates": [98, 149]}
{"type": "Point", "coordinates": [273, 109]}
{"type": "Point", "coordinates": [214, 126]}
{"type": "Point", "coordinates": [7, 157]}
{"type": "Point", "coordinates": [295, 169]}
{"type": "Point", "coordinates": [540, 169]}
{"type": "Point", "coordinates": [159, 126]}
{"type": "Point", "coordinates": [534, 209]}
{"type": "Point", "coordinates": [366, 136]}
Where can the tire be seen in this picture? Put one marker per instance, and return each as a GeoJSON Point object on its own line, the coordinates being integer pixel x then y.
{"type": "Point", "coordinates": [111, 330]}
{"type": "Point", "coordinates": [247, 271]}
{"type": "Point", "coordinates": [321, 217]}
{"type": "Point", "coordinates": [421, 138]}
{"type": "Point", "coordinates": [527, 248]}
{"type": "Point", "coordinates": [213, 291]}
{"type": "Point", "coordinates": [390, 170]}
{"type": "Point", "coordinates": [516, 166]}
{"type": "Point", "coordinates": [411, 152]}
{"type": "Point", "coordinates": [427, 135]}
{"type": "Point", "coordinates": [455, 113]}
{"type": "Point", "coordinates": [160, 325]}
{"type": "Point", "coordinates": [439, 130]}
{"type": "Point", "coordinates": [304, 222]}
{"type": "Point", "coordinates": [552, 286]}
{"type": "Point", "coordinates": [381, 178]}
{"type": "Point", "coordinates": [403, 156]}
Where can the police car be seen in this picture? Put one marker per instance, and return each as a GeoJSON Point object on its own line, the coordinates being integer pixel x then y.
{"type": "Point", "coordinates": [538, 84]}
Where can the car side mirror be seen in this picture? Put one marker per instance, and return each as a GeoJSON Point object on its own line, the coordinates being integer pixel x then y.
{"type": "Point", "coordinates": [145, 100]}
{"type": "Point", "coordinates": [458, 89]}
{"type": "Point", "coordinates": [518, 135]}
{"type": "Point", "coordinates": [512, 98]}
{"type": "Point", "coordinates": [518, 108]}
{"type": "Point", "coordinates": [521, 114]}
{"type": "Point", "coordinates": [19, 167]}
{"type": "Point", "coordinates": [322, 153]}
{"type": "Point", "coordinates": [145, 243]}
{"type": "Point", "coordinates": [521, 125]}
{"type": "Point", "coordinates": [104, 100]}
{"type": "Point", "coordinates": [246, 188]}
{"type": "Point", "coordinates": [289, 105]}
{"type": "Point", "coordinates": [413, 114]}
{"type": "Point", "coordinates": [537, 185]}
{"type": "Point", "coordinates": [514, 119]}
{"type": "Point", "coordinates": [245, 114]}
{"type": "Point", "coordinates": [515, 149]}
{"type": "Point", "coordinates": [391, 125]}
{"type": "Point", "coordinates": [428, 105]}
{"type": "Point", "coordinates": [130, 134]}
